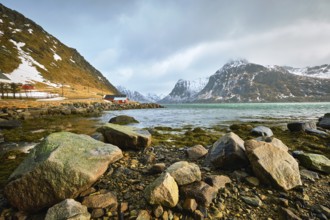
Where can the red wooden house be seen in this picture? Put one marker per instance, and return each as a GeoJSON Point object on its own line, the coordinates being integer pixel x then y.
{"type": "Point", "coordinates": [120, 99]}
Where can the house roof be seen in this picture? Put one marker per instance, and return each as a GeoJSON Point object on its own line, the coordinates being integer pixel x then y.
{"type": "Point", "coordinates": [114, 96]}
{"type": "Point", "coordinates": [4, 78]}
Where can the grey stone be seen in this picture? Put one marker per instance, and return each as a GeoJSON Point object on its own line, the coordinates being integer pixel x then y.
{"type": "Point", "coordinates": [262, 131]}
{"type": "Point", "coordinates": [301, 126]}
{"type": "Point", "coordinates": [126, 137]}
{"type": "Point", "coordinates": [163, 191]}
{"type": "Point", "coordinates": [68, 209]}
{"type": "Point", "coordinates": [316, 132]}
{"type": "Point", "coordinates": [217, 181]}
{"type": "Point", "coordinates": [105, 200]}
{"type": "Point", "coordinates": [253, 201]}
{"type": "Point", "coordinates": [200, 191]}
{"type": "Point", "coordinates": [309, 174]}
{"type": "Point", "coordinates": [62, 166]}
{"type": "Point", "coordinates": [228, 153]}
{"type": "Point", "coordinates": [325, 121]}
{"type": "Point", "coordinates": [272, 165]}
{"type": "Point", "coordinates": [184, 172]}
{"type": "Point", "coordinates": [196, 152]}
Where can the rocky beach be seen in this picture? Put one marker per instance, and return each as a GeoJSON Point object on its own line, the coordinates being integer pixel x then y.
{"type": "Point", "coordinates": [249, 170]}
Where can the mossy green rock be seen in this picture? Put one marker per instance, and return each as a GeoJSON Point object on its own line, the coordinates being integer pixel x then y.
{"type": "Point", "coordinates": [126, 137]}
{"type": "Point", "coordinates": [316, 162]}
{"type": "Point", "coordinates": [60, 167]}
{"type": "Point", "coordinates": [123, 120]}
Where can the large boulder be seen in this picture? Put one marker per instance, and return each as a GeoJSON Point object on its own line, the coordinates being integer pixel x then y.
{"type": "Point", "coordinates": [301, 126]}
{"type": "Point", "coordinates": [228, 153]}
{"type": "Point", "coordinates": [123, 120]}
{"type": "Point", "coordinates": [126, 137]}
{"type": "Point", "coordinates": [274, 141]}
{"type": "Point", "coordinates": [184, 172]}
{"type": "Point", "coordinates": [163, 191]}
{"type": "Point", "coordinates": [273, 165]}
{"type": "Point", "coordinates": [62, 166]}
{"type": "Point", "coordinates": [262, 131]}
{"type": "Point", "coordinates": [325, 121]}
{"type": "Point", "coordinates": [311, 161]}
{"type": "Point", "coordinates": [68, 209]}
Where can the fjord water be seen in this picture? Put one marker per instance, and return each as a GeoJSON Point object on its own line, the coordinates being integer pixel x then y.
{"type": "Point", "coordinates": [208, 115]}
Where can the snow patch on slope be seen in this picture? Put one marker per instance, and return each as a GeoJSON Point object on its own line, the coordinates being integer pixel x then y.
{"type": "Point", "coordinates": [57, 57]}
{"type": "Point", "coordinates": [27, 71]}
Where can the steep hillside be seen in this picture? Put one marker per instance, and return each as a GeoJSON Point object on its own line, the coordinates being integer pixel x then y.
{"type": "Point", "coordinates": [31, 55]}
{"type": "Point", "coordinates": [185, 91]}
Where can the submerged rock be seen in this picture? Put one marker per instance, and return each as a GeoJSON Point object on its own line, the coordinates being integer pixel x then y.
{"type": "Point", "coordinates": [68, 209]}
{"type": "Point", "coordinates": [126, 137]}
{"type": "Point", "coordinates": [316, 162]}
{"type": "Point", "coordinates": [123, 120]}
{"type": "Point", "coordinates": [272, 165]}
{"type": "Point", "coordinates": [228, 153]}
{"type": "Point", "coordinates": [60, 167]}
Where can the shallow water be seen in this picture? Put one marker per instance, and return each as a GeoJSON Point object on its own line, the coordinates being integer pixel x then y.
{"type": "Point", "coordinates": [208, 115]}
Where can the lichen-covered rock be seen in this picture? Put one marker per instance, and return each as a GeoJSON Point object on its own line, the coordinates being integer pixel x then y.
{"type": "Point", "coordinates": [184, 172]}
{"type": "Point", "coordinates": [311, 161]}
{"type": "Point", "coordinates": [68, 209]}
{"type": "Point", "coordinates": [60, 167]}
{"type": "Point", "coordinates": [163, 191]}
{"type": "Point", "coordinates": [272, 165]}
{"type": "Point", "coordinates": [228, 153]}
{"type": "Point", "coordinates": [126, 137]}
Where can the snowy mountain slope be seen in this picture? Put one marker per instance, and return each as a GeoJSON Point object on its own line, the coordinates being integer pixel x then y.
{"type": "Point", "coordinates": [137, 96]}
{"type": "Point", "coordinates": [185, 91]}
{"type": "Point", "coordinates": [322, 71]}
{"type": "Point", "coordinates": [242, 81]}
{"type": "Point", "coordinates": [28, 54]}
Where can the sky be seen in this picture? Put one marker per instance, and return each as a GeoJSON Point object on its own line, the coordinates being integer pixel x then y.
{"type": "Point", "coordinates": [148, 45]}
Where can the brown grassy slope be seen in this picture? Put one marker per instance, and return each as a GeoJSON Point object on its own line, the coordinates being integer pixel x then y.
{"type": "Point", "coordinates": [72, 70]}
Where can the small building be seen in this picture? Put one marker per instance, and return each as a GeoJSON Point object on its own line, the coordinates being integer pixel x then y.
{"type": "Point", "coordinates": [27, 87]}
{"type": "Point", "coordinates": [4, 78]}
{"type": "Point", "coordinates": [120, 99]}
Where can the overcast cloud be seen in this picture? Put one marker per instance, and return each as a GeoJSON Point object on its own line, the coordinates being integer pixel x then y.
{"type": "Point", "coordinates": [148, 45]}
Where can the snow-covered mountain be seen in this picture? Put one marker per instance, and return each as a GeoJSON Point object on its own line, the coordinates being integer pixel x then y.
{"type": "Point", "coordinates": [185, 91]}
{"type": "Point", "coordinates": [322, 71]}
{"type": "Point", "coordinates": [242, 81]}
{"type": "Point", "coordinates": [31, 55]}
{"type": "Point", "coordinates": [138, 97]}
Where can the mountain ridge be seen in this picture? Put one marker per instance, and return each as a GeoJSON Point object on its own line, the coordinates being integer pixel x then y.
{"type": "Point", "coordinates": [242, 81]}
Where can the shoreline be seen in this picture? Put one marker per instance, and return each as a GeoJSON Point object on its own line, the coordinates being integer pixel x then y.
{"type": "Point", "coordinates": [129, 176]}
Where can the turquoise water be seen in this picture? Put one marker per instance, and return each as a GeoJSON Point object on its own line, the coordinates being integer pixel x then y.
{"type": "Point", "coordinates": [208, 115]}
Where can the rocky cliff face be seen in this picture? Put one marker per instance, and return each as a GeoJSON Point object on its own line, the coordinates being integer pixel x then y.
{"type": "Point", "coordinates": [185, 91]}
{"type": "Point", "coordinates": [241, 81]}
{"type": "Point", "coordinates": [138, 97]}
{"type": "Point", "coordinates": [31, 55]}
